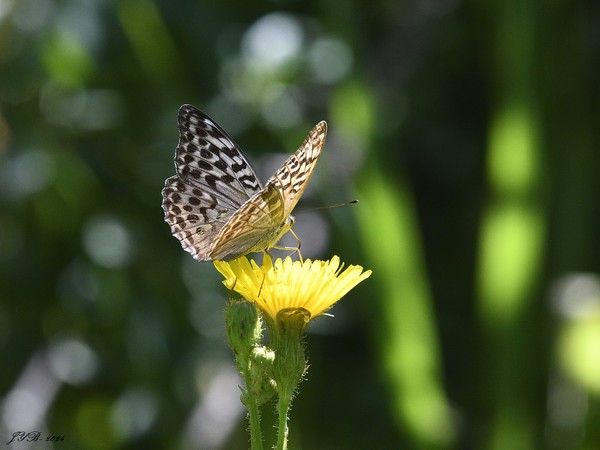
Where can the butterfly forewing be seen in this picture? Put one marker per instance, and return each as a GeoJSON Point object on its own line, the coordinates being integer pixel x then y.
{"type": "Point", "coordinates": [292, 177]}
{"type": "Point", "coordinates": [214, 179]}
{"type": "Point", "coordinates": [216, 205]}
{"type": "Point", "coordinates": [208, 158]}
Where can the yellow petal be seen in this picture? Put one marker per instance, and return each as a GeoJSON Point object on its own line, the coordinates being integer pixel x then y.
{"type": "Point", "coordinates": [285, 284]}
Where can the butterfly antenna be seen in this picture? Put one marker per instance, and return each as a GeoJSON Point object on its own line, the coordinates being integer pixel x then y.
{"type": "Point", "coordinates": [318, 208]}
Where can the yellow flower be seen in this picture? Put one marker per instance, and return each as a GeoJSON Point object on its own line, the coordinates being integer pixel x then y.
{"type": "Point", "coordinates": [313, 286]}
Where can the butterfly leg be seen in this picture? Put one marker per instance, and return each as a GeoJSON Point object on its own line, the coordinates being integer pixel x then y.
{"type": "Point", "coordinates": [295, 249]}
{"type": "Point", "coordinates": [262, 283]}
{"type": "Point", "coordinates": [299, 245]}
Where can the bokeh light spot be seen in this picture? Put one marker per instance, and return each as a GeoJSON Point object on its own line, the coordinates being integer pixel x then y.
{"type": "Point", "coordinates": [330, 60]}
{"type": "Point", "coordinates": [134, 412]}
{"type": "Point", "coordinates": [273, 40]}
{"type": "Point", "coordinates": [72, 361]}
{"type": "Point", "coordinates": [26, 173]}
{"type": "Point", "coordinates": [107, 242]}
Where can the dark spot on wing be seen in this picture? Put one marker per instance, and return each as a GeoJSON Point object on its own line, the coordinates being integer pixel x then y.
{"type": "Point", "coordinates": [211, 180]}
{"type": "Point", "coordinates": [227, 178]}
{"type": "Point", "coordinates": [221, 164]}
{"type": "Point", "coordinates": [239, 167]}
{"type": "Point", "coordinates": [204, 165]}
{"type": "Point", "coordinates": [230, 152]}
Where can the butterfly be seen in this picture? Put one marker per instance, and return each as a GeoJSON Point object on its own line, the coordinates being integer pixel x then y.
{"type": "Point", "coordinates": [216, 206]}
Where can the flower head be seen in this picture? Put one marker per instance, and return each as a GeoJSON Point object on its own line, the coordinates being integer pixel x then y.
{"type": "Point", "coordinates": [313, 286]}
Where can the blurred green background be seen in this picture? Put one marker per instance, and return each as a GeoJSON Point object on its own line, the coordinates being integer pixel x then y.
{"type": "Point", "coordinates": [469, 132]}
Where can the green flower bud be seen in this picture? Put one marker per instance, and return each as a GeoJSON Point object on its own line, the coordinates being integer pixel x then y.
{"type": "Point", "coordinates": [244, 328]}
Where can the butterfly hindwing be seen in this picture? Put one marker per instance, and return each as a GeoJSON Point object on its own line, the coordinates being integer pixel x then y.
{"type": "Point", "coordinates": [254, 227]}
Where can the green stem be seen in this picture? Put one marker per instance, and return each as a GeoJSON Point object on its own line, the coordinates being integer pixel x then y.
{"type": "Point", "coordinates": [254, 419]}
{"type": "Point", "coordinates": [283, 407]}
{"type": "Point", "coordinates": [289, 364]}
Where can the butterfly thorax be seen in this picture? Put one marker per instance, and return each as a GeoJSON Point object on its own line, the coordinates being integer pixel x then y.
{"type": "Point", "coordinates": [278, 232]}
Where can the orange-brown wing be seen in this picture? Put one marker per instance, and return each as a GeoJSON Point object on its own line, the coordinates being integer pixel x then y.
{"type": "Point", "coordinates": [291, 179]}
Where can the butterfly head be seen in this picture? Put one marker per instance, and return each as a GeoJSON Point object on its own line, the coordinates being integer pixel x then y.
{"type": "Point", "coordinates": [286, 226]}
